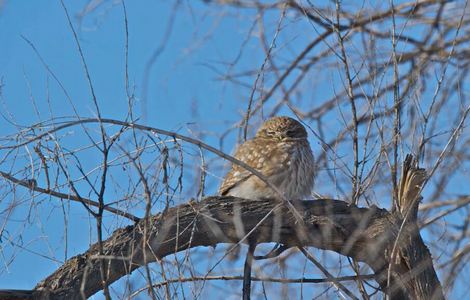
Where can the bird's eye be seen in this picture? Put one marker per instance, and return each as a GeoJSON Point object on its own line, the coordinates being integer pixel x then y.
{"type": "Point", "coordinates": [270, 132]}
{"type": "Point", "coordinates": [290, 133]}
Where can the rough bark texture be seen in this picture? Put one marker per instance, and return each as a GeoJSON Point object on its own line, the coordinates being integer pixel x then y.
{"type": "Point", "coordinates": [365, 234]}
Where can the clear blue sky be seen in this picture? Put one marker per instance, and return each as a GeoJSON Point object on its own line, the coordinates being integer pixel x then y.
{"type": "Point", "coordinates": [185, 93]}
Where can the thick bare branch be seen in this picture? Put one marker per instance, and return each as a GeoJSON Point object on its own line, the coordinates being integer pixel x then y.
{"type": "Point", "coordinates": [365, 234]}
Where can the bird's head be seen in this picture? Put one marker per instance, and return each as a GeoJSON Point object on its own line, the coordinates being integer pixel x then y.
{"type": "Point", "coordinates": [281, 128]}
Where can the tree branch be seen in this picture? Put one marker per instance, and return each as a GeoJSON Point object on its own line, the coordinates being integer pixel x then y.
{"type": "Point", "coordinates": [365, 234]}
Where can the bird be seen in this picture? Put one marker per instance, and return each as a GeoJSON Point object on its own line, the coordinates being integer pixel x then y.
{"type": "Point", "coordinates": [281, 152]}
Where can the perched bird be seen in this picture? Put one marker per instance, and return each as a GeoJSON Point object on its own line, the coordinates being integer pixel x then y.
{"type": "Point", "coordinates": [280, 151]}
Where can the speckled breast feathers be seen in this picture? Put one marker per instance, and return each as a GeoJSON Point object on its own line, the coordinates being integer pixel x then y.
{"type": "Point", "coordinates": [280, 151]}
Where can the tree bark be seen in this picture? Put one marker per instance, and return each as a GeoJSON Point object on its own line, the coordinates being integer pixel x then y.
{"type": "Point", "coordinates": [365, 234]}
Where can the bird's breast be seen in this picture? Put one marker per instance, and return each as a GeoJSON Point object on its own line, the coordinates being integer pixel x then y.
{"type": "Point", "coordinates": [294, 174]}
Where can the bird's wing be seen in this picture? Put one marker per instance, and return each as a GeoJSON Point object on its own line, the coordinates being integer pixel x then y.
{"type": "Point", "coordinates": [238, 174]}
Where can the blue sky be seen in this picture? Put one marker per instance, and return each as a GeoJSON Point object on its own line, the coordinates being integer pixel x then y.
{"type": "Point", "coordinates": [185, 94]}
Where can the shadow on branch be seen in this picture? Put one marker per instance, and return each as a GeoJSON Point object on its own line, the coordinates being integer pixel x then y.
{"type": "Point", "coordinates": [365, 234]}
